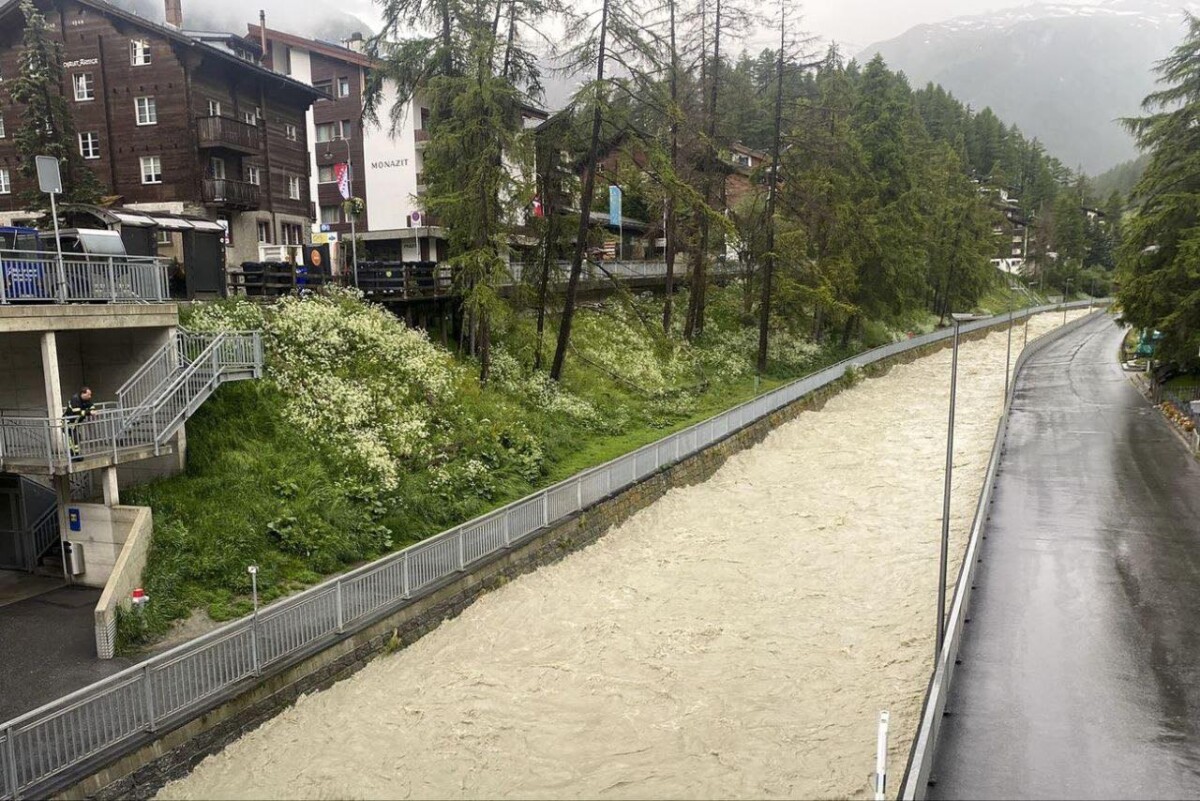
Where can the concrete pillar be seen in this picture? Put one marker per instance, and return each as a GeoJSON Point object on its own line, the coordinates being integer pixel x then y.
{"type": "Point", "coordinates": [112, 494]}
{"type": "Point", "coordinates": [54, 396]}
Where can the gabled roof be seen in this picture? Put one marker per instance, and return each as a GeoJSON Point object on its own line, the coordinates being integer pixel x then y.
{"type": "Point", "coordinates": [324, 48]}
{"type": "Point", "coordinates": [180, 37]}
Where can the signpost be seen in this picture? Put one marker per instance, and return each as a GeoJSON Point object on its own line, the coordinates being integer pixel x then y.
{"type": "Point", "coordinates": [50, 182]}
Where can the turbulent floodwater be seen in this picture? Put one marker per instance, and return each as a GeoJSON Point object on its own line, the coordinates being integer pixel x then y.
{"type": "Point", "coordinates": [736, 639]}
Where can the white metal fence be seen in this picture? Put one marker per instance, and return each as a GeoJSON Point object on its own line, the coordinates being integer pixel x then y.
{"type": "Point", "coordinates": [36, 277]}
{"type": "Point", "coordinates": [59, 742]}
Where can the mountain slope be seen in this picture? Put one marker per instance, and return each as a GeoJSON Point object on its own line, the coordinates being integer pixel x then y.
{"type": "Point", "coordinates": [1063, 73]}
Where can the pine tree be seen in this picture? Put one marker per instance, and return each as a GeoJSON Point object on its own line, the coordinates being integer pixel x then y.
{"type": "Point", "coordinates": [46, 126]}
{"type": "Point", "coordinates": [1158, 259]}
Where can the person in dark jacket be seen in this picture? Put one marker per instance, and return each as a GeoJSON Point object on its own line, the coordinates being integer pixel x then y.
{"type": "Point", "coordinates": [79, 409]}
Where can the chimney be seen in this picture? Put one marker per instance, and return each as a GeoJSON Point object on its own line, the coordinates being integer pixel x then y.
{"type": "Point", "coordinates": [175, 13]}
{"type": "Point", "coordinates": [262, 36]}
{"type": "Point", "coordinates": [355, 43]}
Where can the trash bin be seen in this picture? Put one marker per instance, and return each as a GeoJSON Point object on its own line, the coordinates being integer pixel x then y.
{"type": "Point", "coordinates": [75, 561]}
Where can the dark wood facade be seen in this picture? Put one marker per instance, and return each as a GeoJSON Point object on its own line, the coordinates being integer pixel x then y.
{"type": "Point", "coordinates": [211, 102]}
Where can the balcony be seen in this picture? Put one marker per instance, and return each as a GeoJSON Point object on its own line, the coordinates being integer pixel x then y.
{"type": "Point", "coordinates": [230, 194]}
{"type": "Point", "coordinates": [224, 133]}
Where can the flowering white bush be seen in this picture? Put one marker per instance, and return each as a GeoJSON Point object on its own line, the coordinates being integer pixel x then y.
{"type": "Point", "coordinates": [354, 376]}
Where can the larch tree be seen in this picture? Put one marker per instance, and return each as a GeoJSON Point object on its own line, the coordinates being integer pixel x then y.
{"type": "Point", "coordinates": [46, 127]}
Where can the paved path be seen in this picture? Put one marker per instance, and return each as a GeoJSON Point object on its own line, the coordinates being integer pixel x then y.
{"type": "Point", "coordinates": [1080, 673]}
{"type": "Point", "coordinates": [48, 649]}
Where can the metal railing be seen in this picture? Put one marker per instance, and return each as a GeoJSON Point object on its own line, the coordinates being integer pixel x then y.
{"type": "Point", "coordinates": [920, 761]}
{"type": "Point", "coordinates": [44, 533]}
{"type": "Point", "coordinates": [45, 748]}
{"type": "Point", "coordinates": [36, 277]}
{"type": "Point", "coordinates": [150, 408]}
{"type": "Point", "coordinates": [627, 270]}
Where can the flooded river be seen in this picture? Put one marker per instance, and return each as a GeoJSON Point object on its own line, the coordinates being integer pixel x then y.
{"type": "Point", "coordinates": [736, 639]}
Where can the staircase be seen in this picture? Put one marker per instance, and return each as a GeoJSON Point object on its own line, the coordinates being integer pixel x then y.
{"type": "Point", "coordinates": [151, 407]}
{"type": "Point", "coordinates": [168, 389]}
{"type": "Point", "coordinates": [41, 529]}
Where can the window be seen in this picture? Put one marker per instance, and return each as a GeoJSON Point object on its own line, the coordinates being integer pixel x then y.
{"type": "Point", "coordinates": [214, 108]}
{"type": "Point", "coordinates": [5, 182]}
{"type": "Point", "coordinates": [216, 167]}
{"type": "Point", "coordinates": [147, 111]}
{"type": "Point", "coordinates": [85, 86]}
{"type": "Point", "coordinates": [2, 134]}
{"type": "Point", "coordinates": [331, 215]}
{"type": "Point", "coordinates": [254, 175]}
{"type": "Point", "coordinates": [333, 131]}
{"type": "Point", "coordinates": [290, 132]}
{"type": "Point", "coordinates": [325, 174]}
{"type": "Point", "coordinates": [287, 61]}
{"type": "Point", "coordinates": [293, 187]}
{"type": "Point", "coordinates": [325, 132]}
{"type": "Point", "coordinates": [139, 52]}
{"type": "Point", "coordinates": [343, 87]}
{"type": "Point", "coordinates": [250, 118]}
{"type": "Point", "coordinates": [293, 234]}
{"type": "Point", "coordinates": [151, 170]}
{"type": "Point", "coordinates": [264, 231]}
{"type": "Point", "coordinates": [163, 237]}
{"type": "Point", "coordinates": [89, 145]}
{"type": "Point", "coordinates": [324, 86]}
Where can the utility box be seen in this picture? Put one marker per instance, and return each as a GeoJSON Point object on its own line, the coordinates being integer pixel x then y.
{"type": "Point", "coordinates": [75, 562]}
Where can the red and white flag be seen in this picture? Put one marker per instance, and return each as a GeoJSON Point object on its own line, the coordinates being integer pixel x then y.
{"type": "Point", "coordinates": [538, 211]}
{"type": "Point", "coordinates": [341, 174]}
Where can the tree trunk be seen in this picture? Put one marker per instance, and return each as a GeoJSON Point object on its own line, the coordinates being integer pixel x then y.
{"type": "Point", "coordinates": [585, 207]}
{"type": "Point", "coordinates": [764, 323]}
{"type": "Point", "coordinates": [669, 222]}
{"type": "Point", "coordinates": [696, 306]}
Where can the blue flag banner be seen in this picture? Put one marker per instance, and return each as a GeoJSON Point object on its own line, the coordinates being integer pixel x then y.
{"type": "Point", "coordinates": [614, 205]}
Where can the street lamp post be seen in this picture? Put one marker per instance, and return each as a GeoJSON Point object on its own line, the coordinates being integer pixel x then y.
{"type": "Point", "coordinates": [958, 319]}
{"type": "Point", "coordinates": [1066, 295]}
{"type": "Point", "coordinates": [353, 215]}
{"type": "Point", "coordinates": [1008, 353]}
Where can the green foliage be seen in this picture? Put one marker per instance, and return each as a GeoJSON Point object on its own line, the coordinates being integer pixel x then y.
{"type": "Point", "coordinates": [272, 479]}
{"type": "Point", "coordinates": [1159, 257]}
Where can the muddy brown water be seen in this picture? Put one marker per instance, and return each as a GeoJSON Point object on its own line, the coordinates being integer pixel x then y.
{"type": "Point", "coordinates": [737, 638]}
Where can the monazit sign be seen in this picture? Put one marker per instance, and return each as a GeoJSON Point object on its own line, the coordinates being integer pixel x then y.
{"type": "Point", "coordinates": [388, 165]}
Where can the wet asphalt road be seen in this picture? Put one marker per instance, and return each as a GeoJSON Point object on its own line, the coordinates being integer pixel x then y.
{"type": "Point", "coordinates": [1080, 673]}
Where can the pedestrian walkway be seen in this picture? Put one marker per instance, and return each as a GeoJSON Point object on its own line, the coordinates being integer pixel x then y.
{"type": "Point", "coordinates": [1080, 662]}
{"type": "Point", "coordinates": [48, 649]}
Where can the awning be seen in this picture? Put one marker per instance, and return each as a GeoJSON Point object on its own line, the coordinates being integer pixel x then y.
{"type": "Point", "coordinates": [205, 225]}
{"type": "Point", "coordinates": [172, 224]}
{"type": "Point", "coordinates": [130, 218]}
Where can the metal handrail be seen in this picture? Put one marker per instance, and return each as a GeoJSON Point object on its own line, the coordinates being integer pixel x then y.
{"type": "Point", "coordinates": [41, 747]}
{"type": "Point", "coordinates": [121, 428]}
{"type": "Point", "coordinates": [37, 277]}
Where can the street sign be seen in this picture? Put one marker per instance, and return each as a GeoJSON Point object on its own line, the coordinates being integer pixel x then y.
{"type": "Point", "coordinates": [49, 176]}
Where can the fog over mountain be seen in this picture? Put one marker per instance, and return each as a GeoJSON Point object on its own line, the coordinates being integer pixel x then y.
{"type": "Point", "coordinates": [1063, 73]}
{"type": "Point", "coordinates": [320, 18]}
